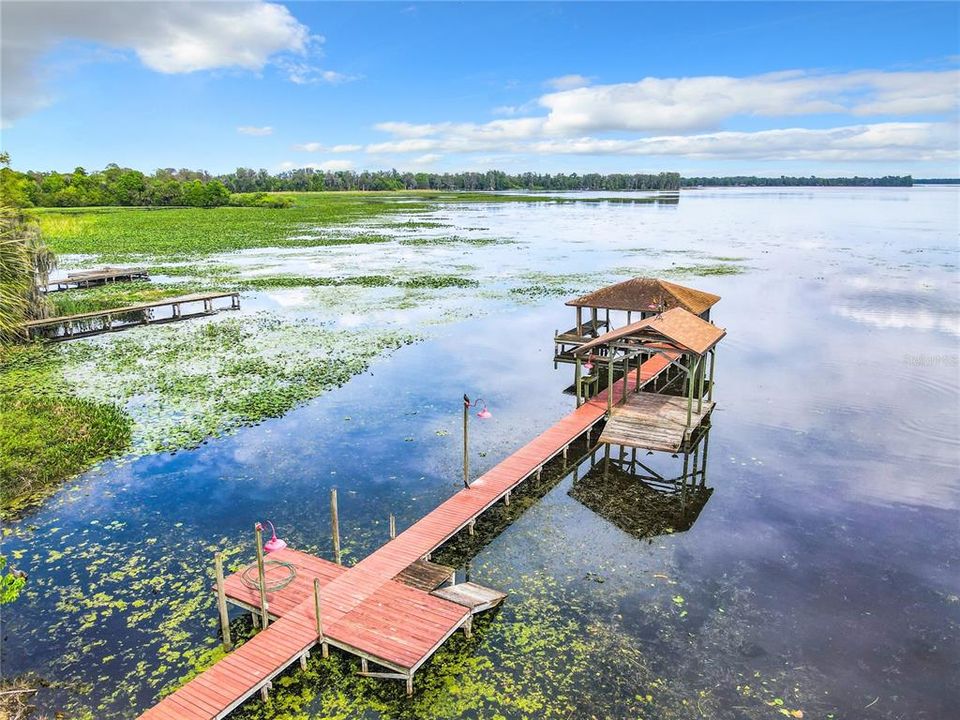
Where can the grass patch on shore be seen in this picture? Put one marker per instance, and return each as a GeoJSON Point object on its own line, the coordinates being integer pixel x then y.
{"type": "Point", "coordinates": [47, 434]}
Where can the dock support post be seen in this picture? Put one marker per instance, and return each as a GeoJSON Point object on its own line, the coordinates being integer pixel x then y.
{"type": "Point", "coordinates": [703, 471]}
{"type": "Point", "coordinates": [255, 617]}
{"type": "Point", "coordinates": [606, 459]}
{"type": "Point", "coordinates": [410, 685]}
{"type": "Point", "coordinates": [222, 602]}
{"type": "Point", "coordinates": [626, 372]}
{"type": "Point", "coordinates": [303, 660]}
{"type": "Point", "coordinates": [335, 524]}
{"type": "Point", "coordinates": [261, 579]}
{"type": "Point", "coordinates": [609, 380]}
{"type": "Point", "coordinates": [713, 361]}
{"type": "Point", "coordinates": [265, 692]}
{"type": "Point", "coordinates": [393, 526]}
{"type": "Point", "coordinates": [364, 665]}
{"type": "Point", "coordinates": [316, 608]}
{"type": "Point", "coordinates": [506, 498]}
{"type": "Point", "coordinates": [576, 379]}
{"type": "Point", "coordinates": [701, 373]}
{"type": "Point", "coordinates": [468, 627]}
{"type": "Point", "coordinates": [470, 526]}
{"type": "Point", "coordinates": [691, 373]}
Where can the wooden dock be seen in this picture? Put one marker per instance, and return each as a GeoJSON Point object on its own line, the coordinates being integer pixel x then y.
{"type": "Point", "coordinates": [654, 422]}
{"type": "Point", "coordinates": [182, 307]}
{"type": "Point", "coordinates": [93, 278]}
{"type": "Point", "coordinates": [366, 610]}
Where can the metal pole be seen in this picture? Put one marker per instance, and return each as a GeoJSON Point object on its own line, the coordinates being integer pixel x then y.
{"type": "Point", "coordinates": [466, 455]}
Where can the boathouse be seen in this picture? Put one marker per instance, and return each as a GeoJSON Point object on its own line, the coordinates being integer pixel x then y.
{"type": "Point", "coordinates": [657, 420]}
{"type": "Point", "coordinates": [620, 304]}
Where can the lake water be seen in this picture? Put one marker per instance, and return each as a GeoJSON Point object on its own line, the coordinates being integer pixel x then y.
{"type": "Point", "coordinates": [821, 577]}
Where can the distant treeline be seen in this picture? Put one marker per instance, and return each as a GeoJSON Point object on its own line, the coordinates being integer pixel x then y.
{"type": "Point", "coordinates": [787, 181]}
{"type": "Point", "coordinates": [937, 181]}
{"type": "Point", "coordinates": [169, 187]}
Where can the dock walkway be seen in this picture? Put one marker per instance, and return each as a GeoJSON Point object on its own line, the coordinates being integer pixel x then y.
{"type": "Point", "coordinates": [93, 278]}
{"type": "Point", "coordinates": [67, 327]}
{"type": "Point", "coordinates": [364, 610]}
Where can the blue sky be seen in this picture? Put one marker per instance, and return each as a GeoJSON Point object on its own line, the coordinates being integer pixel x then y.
{"type": "Point", "coordinates": [702, 88]}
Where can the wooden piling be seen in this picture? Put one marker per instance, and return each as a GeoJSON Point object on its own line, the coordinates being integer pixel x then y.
{"type": "Point", "coordinates": [393, 526]}
{"type": "Point", "coordinates": [576, 380]}
{"type": "Point", "coordinates": [222, 602]}
{"type": "Point", "coordinates": [261, 579]}
{"type": "Point", "coordinates": [335, 525]}
{"type": "Point", "coordinates": [316, 608]}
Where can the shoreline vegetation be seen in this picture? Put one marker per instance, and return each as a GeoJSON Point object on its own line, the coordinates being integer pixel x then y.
{"type": "Point", "coordinates": [246, 187]}
{"type": "Point", "coordinates": [67, 407]}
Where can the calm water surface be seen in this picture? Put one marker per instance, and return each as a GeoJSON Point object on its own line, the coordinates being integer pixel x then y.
{"type": "Point", "coordinates": [822, 575]}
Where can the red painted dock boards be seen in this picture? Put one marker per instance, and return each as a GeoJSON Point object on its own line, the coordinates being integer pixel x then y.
{"type": "Point", "coordinates": [362, 607]}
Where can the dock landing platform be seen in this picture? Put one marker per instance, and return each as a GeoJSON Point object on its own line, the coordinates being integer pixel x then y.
{"type": "Point", "coordinates": [364, 610]}
{"type": "Point", "coordinates": [652, 421]}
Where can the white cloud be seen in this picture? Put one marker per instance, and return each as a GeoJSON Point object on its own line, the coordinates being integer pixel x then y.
{"type": "Point", "coordinates": [167, 37]}
{"type": "Point", "coordinates": [305, 73]}
{"type": "Point", "coordinates": [567, 82]}
{"type": "Point", "coordinates": [657, 104]}
{"type": "Point", "coordinates": [426, 160]}
{"type": "Point", "coordinates": [255, 131]}
{"type": "Point", "coordinates": [663, 116]}
{"type": "Point", "coordinates": [331, 165]}
{"type": "Point", "coordinates": [918, 142]}
{"type": "Point", "coordinates": [313, 147]}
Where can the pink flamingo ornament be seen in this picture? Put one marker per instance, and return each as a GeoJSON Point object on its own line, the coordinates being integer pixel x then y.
{"type": "Point", "coordinates": [274, 543]}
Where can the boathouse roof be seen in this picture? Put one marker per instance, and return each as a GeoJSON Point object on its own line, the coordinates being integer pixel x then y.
{"type": "Point", "coordinates": [642, 293]}
{"type": "Point", "coordinates": [677, 326]}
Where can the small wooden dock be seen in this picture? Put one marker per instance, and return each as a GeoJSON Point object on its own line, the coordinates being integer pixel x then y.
{"type": "Point", "coordinates": [367, 610]}
{"type": "Point", "coordinates": [93, 278]}
{"type": "Point", "coordinates": [182, 307]}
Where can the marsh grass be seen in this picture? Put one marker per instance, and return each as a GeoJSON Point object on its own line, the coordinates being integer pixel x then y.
{"type": "Point", "coordinates": [46, 433]}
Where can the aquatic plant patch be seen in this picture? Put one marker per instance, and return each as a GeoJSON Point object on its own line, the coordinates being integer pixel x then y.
{"type": "Point", "coordinates": [183, 384]}
{"type": "Point", "coordinates": [124, 233]}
